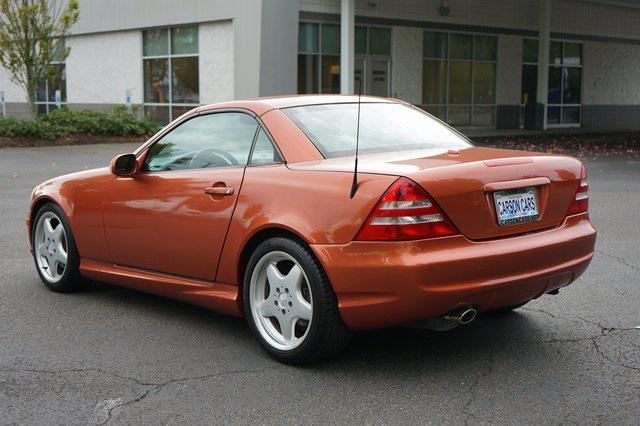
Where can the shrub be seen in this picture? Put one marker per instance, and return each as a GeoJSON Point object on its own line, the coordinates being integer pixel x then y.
{"type": "Point", "coordinates": [61, 122]}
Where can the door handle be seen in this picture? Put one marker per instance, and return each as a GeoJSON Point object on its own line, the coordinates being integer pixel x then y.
{"type": "Point", "coordinates": [218, 190]}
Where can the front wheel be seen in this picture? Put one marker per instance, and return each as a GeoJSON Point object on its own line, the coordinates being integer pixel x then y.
{"type": "Point", "coordinates": [290, 305]}
{"type": "Point", "coordinates": [54, 250]}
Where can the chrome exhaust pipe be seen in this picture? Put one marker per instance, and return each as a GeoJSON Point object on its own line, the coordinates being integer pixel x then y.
{"type": "Point", "coordinates": [461, 316]}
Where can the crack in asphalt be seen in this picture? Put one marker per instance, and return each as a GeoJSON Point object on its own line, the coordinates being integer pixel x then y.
{"type": "Point", "coordinates": [156, 387]}
{"type": "Point", "coordinates": [604, 332]}
{"type": "Point", "coordinates": [153, 387]}
{"type": "Point", "coordinates": [472, 391]}
{"type": "Point", "coordinates": [621, 260]}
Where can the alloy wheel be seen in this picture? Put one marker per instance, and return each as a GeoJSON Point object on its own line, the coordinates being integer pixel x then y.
{"type": "Point", "coordinates": [50, 244]}
{"type": "Point", "coordinates": [280, 300]}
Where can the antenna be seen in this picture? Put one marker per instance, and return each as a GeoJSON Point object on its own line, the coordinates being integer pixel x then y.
{"type": "Point", "coordinates": [354, 184]}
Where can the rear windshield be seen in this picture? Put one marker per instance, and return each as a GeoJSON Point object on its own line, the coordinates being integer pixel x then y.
{"type": "Point", "coordinates": [384, 127]}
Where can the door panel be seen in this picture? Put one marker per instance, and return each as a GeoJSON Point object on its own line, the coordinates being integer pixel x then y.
{"type": "Point", "coordinates": [166, 222]}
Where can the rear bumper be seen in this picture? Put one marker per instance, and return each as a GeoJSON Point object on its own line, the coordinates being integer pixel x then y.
{"type": "Point", "coordinates": [380, 284]}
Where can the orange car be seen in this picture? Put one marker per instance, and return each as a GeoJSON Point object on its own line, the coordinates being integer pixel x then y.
{"type": "Point", "coordinates": [252, 208]}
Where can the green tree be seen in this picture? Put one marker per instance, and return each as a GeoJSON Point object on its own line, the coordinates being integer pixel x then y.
{"type": "Point", "coordinates": [31, 37]}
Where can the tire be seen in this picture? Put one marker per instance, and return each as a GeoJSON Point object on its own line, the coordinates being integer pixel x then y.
{"type": "Point", "coordinates": [507, 309]}
{"type": "Point", "coordinates": [50, 244]}
{"type": "Point", "coordinates": [285, 284]}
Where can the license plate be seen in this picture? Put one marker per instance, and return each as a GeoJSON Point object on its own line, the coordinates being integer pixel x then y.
{"type": "Point", "coordinates": [515, 206]}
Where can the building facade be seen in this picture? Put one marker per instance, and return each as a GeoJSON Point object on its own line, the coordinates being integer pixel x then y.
{"type": "Point", "coordinates": [502, 64]}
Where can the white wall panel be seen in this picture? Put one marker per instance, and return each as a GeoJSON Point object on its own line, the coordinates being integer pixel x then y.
{"type": "Point", "coordinates": [216, 62]}
{"type": "Point", "coordinates": [102, 67]}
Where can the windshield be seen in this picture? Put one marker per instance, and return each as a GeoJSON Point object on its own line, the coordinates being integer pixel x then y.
{"type": "Point", "coordinates": [384, 127]}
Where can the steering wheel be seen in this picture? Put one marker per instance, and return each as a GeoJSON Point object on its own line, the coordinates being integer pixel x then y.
{"type": "Point", "coordinates": [212, 157]}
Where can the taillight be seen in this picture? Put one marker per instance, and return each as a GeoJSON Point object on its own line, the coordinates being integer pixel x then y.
{"type": "Point", "coordinates": [405, 212]}
{"type": "Point", "coordinates": [580, 203]}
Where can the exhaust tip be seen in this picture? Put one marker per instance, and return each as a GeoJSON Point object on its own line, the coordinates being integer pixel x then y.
{"type": "Point", "coordinates": [461, 316]}
{"type": "Point", "coordinates": [467, 316]}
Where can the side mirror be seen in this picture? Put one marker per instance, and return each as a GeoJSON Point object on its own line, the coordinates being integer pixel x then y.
{"type": "Point", "coordinates": [124, 165]}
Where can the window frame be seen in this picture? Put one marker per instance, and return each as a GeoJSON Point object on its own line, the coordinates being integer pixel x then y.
{"type": "Point", "coordinates": [142, 154]}
{"type": "Point", "coordinates": [169, 56]}
{"type": "Point", "coordinates": [50, 104]}
{"type": "Point", "coordinates": [562, 65]}
{"type": "Point", "coordinates": [448, 60]}
{"type": "Point", "coordinates": [319, 54]}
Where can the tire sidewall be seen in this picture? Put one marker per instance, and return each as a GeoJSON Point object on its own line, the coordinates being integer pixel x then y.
{"type": "Point", "coordinates": [312, 272]}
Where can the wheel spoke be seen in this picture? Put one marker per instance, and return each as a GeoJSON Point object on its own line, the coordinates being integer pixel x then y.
{"type": "Point", "coordinates": [42, 250]}
{"type": "Point", "coordinates": [268, 308]}
{"type": "Point", "coordinates": [274, 276]}
{"type": "Point", "coordinates": [48, 228]}
{"type": "Point", "coordinates": [294, 277]}
{"type": "Point", "coordinates": [302, 308]}
{"type": "Point", "coordinates": [287, 325]}
{"type": "Point", "coordinates": [57, 233]}
{"type": "Point", "coordinates": [59, 258]}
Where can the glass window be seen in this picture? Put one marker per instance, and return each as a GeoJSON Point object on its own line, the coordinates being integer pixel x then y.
{"type": "Point", "coordinates": [263, 150]}
{"type": "Point", "coordinates": [184, 40]}
{"type": "Point", "coordinates": [379, 41]}
{"type": "Point", "coordinates": [484, 83]}
{"type": "Point", "coordinates": [459, 116]}
{"type": "Point", "coordinates": [485, 48]}
{"type": "Point", "coordinates": [319, 55]}
{"type": "Point", "coordinates": [555, 52]}
{"type": "Point", "coordinates": [307, 74]}
{"type": "Point", "coordinates": [384, 127]}
{"type": "Point", "coordinates": [330, 39]}
{"type": "Point", "coordinates": [461, 46]}
{"type": "Point", "coordinates": [553, 115]}
{"type": "Point", "coordinates": [483, 116]}
{"type": "Point", "coordinates": [570, 115]}
{"type": "Point", "coordinates": [55, 83]}
{"type": "Point", "coordinates": [434, 45]}
{"type": "Point", "coordinates": [434, 78]}
{"type": "Point", "coordinates": [330, 74]}
{"type": "Point", "coordinates": [155, 43]}
{"type": "Point", "coordinates": [156, 80]}
{"type": "Point", "coordinates": [459, 72]}
{"type": "Point", "coordinates": [459, 82]}
{"type": "Point", "coordinates": [361, 40]}
{"type": "Point", "coordinates": [206, 141]}
{"type": "Point", "coordinates": [437, 111]}
{"type": "Point", "coordinates": [184, 72]}
{"type": "Point", "coordinates": [530, 50]}
{"type": "Point", "coordinates": [159, 114]}
{"type": "Point", "coordinates": [555, 85]}
{"type": "Point", "coordinates": [572, 54]}
{"type": "Point", "coordinates": [529, 84]}
{"type": "Point", "coordinates": [571, 82]}
{"type": "Point", "coordinates": [308, 38]}
{"type": "Point", "coordinates": [171, 72]}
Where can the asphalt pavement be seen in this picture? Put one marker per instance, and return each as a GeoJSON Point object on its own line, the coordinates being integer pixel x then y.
{"type": "Point", "coordinates": [113, 355]}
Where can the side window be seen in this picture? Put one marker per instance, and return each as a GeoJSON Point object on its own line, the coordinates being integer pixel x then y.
{"type": "Point", "coordinates": [211, 140]}
{"type": "Point", "coordinates": [263, 151]}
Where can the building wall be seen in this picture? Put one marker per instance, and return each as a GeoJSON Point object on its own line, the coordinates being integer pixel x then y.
{"type": "Point", "coordinates": [102, 67]}
{"type": "Point", "coordinates": [406, 64]}
{"type": "Point", "coordinates": [216, 62]}
{"type": "Point", "coordinates": [611, 86]}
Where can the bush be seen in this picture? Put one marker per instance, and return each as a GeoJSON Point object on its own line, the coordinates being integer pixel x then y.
{"type": "Point", "coordinates": [61, 122]}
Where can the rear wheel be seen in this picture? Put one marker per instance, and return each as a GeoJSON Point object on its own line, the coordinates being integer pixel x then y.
{"type": "Point", "coordinates": [290, 305]}
{"type": "Point", "coordinates": [54, 250]}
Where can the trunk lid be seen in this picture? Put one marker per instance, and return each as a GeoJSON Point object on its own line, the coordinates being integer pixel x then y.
{"type": "Point", "coordinates": [463, 183]}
